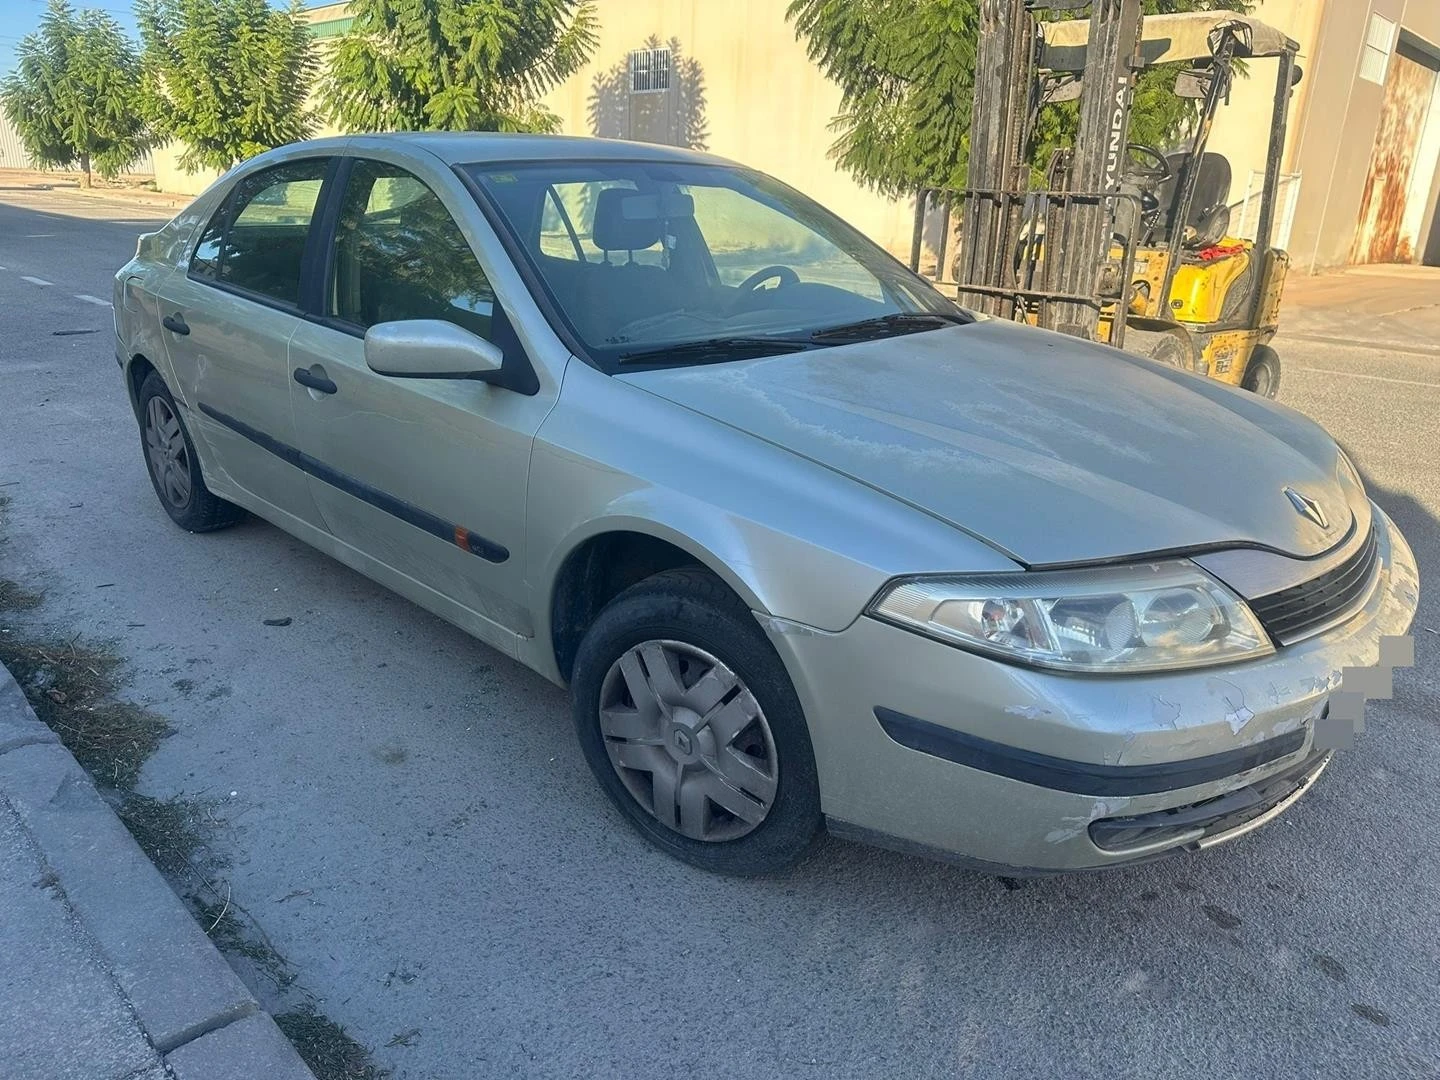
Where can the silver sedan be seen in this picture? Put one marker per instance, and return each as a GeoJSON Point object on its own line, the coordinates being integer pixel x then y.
{"type": "Point", "coordinates": [810, 545]}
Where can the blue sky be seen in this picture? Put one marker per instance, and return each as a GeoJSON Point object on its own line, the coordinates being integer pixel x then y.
{"type": "Point", "coordinates": [20, 17]}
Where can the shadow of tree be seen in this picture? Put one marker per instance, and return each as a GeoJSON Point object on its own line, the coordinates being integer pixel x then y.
{"type": "Point", "coordinates": [674, 117]}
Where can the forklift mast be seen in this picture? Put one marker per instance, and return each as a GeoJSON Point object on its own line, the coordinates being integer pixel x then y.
{"type": "Point", "coordinates": [1106, 96]}
{"type": "Point", "coordinates": [1001, 215]}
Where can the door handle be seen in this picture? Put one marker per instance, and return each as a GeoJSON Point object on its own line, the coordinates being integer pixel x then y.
{"type": "Point", "coordinates": [322, 383]}
{"type": "Point", "coordinates": [176, 324]}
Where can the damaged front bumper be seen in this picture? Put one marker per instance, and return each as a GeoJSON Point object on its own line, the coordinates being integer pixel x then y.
{"type": "Point", "coordinates": [927, 747]}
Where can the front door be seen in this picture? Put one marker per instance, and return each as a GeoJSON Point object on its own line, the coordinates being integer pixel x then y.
{"type": "Point", "coordinates": [426, 475]}
{"type": "Point", "coordinates": [227, 319]}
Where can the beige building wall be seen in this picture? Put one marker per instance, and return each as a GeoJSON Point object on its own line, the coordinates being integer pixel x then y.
{"type": "Point", "coordinates": [1242, 128]}
{"type": "Point", "coordinates": [766, 105]}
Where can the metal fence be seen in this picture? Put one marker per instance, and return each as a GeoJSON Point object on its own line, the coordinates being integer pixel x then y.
{"type": "Point", "coordinates": [13, 156]}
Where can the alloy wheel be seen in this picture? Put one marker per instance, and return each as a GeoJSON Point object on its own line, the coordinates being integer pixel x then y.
{"type": "Point", "coordinates": [689, 740]}
{"type": "Point", "coordinates": [168, 455]}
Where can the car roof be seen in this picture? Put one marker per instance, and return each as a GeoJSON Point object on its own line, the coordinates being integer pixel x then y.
{"type": "Point", "coordinates": [466, 147]}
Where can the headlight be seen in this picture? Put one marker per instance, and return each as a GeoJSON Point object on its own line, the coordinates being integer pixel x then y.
{"type": "Point", "coordinates": [1148, 617]}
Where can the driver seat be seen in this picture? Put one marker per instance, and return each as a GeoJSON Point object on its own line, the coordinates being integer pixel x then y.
{"type": "Point", "coordinates": [615, 292]}
{"type": "Point", "coordinates": [1212, 191]}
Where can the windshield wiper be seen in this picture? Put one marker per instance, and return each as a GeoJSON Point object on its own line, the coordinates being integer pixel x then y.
{"type": "Point", "coordinates": [899, 322]}
{"type": "Point", "coordinates": [715, 350]}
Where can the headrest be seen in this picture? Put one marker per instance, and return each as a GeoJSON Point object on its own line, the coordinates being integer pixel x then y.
{"type": "Point", "coordinates": [626, 220]}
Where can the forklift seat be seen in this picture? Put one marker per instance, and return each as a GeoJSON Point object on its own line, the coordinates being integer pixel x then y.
{"type": "Point", "coordinates": [1212, 191]}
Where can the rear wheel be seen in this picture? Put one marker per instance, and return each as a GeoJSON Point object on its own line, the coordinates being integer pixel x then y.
{"type": "Point", "coordinates": [691, 725]}
{"type": "Point", "coordinates": [1262, 373]}
{"type": "Point", "coordinates": [173, 467]}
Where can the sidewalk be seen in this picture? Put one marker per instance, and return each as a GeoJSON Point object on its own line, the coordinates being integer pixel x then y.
{"type": "Point", "coordinates": [1383, 306]}
{"type": "Point", "coordinates": [67, 183]}
{"type": "Point", "coordinates": [103, 973]}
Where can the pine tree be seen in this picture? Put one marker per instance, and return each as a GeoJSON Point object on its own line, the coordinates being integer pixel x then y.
{"type": "Point", "coordinates": [226, 78]}
{"type": "Point", "coordinates": [73, 94]}
{"type": "Point", "coordinates": [456, 65]}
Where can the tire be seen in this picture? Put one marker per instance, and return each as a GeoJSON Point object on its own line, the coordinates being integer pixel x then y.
{"type": "Point", "coordinates": [1262, 373]}
{"type": "Point", "coordinates": [756, 734]}
{"type": "Point", "coordinates": [173, 466]}
{"type": "Point", "coordinates": [1174, 348]}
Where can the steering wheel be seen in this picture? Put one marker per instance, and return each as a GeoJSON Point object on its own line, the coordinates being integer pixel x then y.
{"type": "Point", "coordinates": [1157, 172]}
{"type": "Point", "coordinates": [785, 275]}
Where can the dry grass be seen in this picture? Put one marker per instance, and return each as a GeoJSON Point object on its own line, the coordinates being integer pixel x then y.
{"type": "Point", "coordinates": [326, 1046]}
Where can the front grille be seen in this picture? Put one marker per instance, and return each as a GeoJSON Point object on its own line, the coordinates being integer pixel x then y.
{"type": "Point", "coordinates": [1318, 604]}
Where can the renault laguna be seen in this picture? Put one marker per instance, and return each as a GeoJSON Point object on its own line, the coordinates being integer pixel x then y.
{"type": "Point", "coordinates": [810, 545]}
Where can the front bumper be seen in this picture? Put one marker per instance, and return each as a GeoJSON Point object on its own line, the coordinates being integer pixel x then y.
{"type": "Point", "coordinates": [1066, 752]}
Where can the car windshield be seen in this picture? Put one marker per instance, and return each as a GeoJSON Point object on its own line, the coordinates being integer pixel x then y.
{"type": "Point", "coordinates": [659, 264]}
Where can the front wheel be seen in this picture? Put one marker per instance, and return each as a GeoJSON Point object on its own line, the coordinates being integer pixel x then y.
{"type": "Point", "coordinates": [1262, 373]}
{"type": "Point", "coordinates": [690, 723]}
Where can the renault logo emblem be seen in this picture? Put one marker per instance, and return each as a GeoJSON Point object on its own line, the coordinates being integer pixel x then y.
{"type": "Point", "coordinates": [1307, 507]}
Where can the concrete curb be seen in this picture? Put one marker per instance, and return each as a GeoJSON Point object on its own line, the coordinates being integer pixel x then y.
{"type": "Point", "coordinates": [195, 1011]}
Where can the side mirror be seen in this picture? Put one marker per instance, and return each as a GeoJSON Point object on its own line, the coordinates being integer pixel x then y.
{"type": "Point", "coordinates": [431, 349]}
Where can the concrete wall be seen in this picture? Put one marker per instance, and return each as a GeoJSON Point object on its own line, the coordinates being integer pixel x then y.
{"type": "Point", "coordinates": [765, 104]}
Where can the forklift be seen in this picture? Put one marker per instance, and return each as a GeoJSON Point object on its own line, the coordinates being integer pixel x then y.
{"type": "Point", "coordinates": [1121, 235]}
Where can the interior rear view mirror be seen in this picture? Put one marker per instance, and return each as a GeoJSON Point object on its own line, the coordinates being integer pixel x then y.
{"type": "Point", "coordinates": [430, 349]}
{"type": "Point", "coordinates": [672, 204]}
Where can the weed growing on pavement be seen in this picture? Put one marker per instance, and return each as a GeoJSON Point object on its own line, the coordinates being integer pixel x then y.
{"type": "Point", "coordinates": [70, 687]}
{"type": "Point", "coordinates": [15, 597]}
{"type": "Point", "coordinates": [238, 935]}
{"type": "Point", "coordinates": [175, 833]}
{"type": "Point", "coordinates": [326, 1046]}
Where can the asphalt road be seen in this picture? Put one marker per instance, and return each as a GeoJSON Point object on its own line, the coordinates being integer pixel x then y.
{"type": "Point", "coordinates": [409, 818]}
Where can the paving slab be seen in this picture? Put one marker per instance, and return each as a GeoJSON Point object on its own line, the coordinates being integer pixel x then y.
{"type": "Point", "coordinates": [18, 724]}
{"type": "Point", "coordinates": [64, 1017]}
{"type": "Point", "coordinates": [245, 1050]}
{"type": "Point", "coordinates": [179, 984]}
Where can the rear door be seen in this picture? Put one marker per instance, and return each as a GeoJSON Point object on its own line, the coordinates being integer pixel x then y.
{"type": "Point", "coordinates": [426, 475]}
{"type": "Point", "coordinates": [228, 316]}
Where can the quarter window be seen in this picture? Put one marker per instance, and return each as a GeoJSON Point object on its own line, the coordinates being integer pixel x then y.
{"type": "Point", "coordinates": [400, 255]}
{"type": "Point", "coordinates": [257, 240]}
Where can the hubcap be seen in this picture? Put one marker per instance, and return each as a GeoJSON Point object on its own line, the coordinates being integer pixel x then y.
{"type": "Point", "coordinates": [167, 454]}
{"type": "Point", "coordinates": [689, 740]}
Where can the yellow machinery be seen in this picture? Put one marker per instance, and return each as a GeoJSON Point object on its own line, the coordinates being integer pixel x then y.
{"type": "Point", "coordinates": [1123, 235]}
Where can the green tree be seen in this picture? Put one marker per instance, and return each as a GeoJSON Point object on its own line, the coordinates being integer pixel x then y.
{"type": "Point", "coordinates": [906, 71]}
{"type": "Point", "coordinates": [72, 96]}
{"type": "Point", "coordinates": [226, 78]}
{"type": "Point", "coordinates": [456, 65]}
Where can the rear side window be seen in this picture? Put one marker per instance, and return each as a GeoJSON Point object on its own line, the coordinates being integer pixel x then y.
{"type": "Point", "coordinates": [400, 255]}
{"type": "Point", "coordinates": [257, 239]}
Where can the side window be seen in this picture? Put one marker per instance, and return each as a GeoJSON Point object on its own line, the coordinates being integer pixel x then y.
{"type": "Point", "coordinates": [205, 262]}
{"type": "Point", "coordinates": [264, 234]}
{"type": "Point", "coordinates": [399, 255]}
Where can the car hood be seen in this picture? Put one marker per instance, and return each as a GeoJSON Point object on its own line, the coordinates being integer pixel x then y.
{"type": "Point", "coordinates": [1050, 449]}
